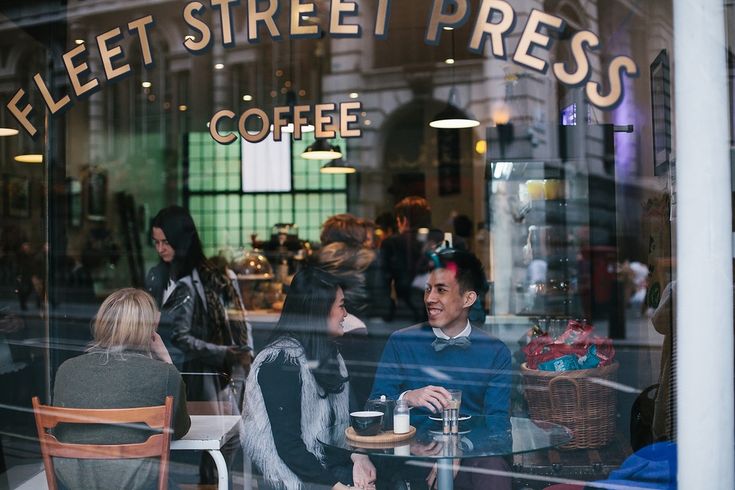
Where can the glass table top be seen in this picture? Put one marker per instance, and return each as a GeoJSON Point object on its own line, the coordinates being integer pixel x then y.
{"type": "Point", "coordinates": [480, 436]}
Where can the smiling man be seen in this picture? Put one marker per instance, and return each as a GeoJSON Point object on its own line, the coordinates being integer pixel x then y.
{"type": "Point", "coordinates": [420, 363]}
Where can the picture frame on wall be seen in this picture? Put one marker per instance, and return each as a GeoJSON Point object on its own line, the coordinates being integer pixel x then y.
{"type": "Point", "coordinates": [74, 195]}
{"type": "Point", "coordinates": [95, 190]}
{"type": "Point", "coordinates": [448, 155]}
{"type": "Point", "coordinates": [19, 197]}
{"type": "Point", "coordinates": [661, 112]}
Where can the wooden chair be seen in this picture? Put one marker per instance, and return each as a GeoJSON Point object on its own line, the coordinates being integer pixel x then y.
{"type": "Point", "coordinates": [157, 445]}
{"type": "Point", "coordinates": [210, 408]}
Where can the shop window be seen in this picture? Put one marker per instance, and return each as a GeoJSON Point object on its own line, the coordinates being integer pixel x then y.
{"type": "Point", "coordinates": [270, 154]}
{"type": "Point", "coordinates": [226, 216]}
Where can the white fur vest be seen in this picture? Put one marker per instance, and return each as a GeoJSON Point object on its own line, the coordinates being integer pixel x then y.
{"type": "Point", "coordinates": [316, 414]}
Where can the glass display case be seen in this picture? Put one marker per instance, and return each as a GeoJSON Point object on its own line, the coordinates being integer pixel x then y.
{"type": "Point", "coordinates": [551, 212]}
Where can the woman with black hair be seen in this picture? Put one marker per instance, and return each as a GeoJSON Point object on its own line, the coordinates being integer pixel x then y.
{"type": "Point", "coordinates": [211, 345]}
{"type": "Point", "coordinates": [202, 321]}
{"type": "Point", "coordinates": [298, 387]}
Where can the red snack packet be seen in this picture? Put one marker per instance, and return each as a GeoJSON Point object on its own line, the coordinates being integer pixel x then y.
{"type": "Point", "coordinates": [576, 340]}
{"type": "Point", "coordinates": [605, 351]}
{"type": "Point", "coordinates": [576, 333]}
{"type": "Point", "coordinates": [537, 350]}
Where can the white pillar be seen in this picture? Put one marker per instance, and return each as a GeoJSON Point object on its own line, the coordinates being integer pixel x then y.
{"type": "Point", "coordinates": [704, 298]}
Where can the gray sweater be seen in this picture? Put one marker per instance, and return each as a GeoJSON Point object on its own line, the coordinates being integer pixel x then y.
{"type": "Point", "coordinates": [96, 380]}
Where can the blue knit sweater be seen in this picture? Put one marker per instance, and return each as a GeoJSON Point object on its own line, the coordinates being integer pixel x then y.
{"type": "Point", "coordinates": [481, 371]}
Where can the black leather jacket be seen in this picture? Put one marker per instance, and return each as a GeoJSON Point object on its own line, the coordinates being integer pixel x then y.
{"type": "Point", "coordinates": [185, 331]}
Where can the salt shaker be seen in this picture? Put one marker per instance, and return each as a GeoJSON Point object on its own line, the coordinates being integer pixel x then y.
{"type": "Point", "coordinates": [401, 422]}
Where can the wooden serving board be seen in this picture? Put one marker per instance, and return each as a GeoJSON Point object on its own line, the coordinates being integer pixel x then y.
{"type": "Point", "coordinates": [381, 438]}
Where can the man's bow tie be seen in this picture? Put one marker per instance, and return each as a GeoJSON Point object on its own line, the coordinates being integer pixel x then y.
{"type": "Point", "coordinates": [441, 344]}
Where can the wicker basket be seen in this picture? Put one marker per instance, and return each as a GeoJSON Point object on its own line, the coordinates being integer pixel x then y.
{"type": "Point", "coordinates": [574, 399]}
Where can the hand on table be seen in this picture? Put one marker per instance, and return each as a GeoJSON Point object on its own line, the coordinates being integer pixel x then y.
{"type": "Point", "coordinates": [158, 349]}
{"type": "Point", "coordinates": [426, 449]}
{"type": "Point", "coordinates": [363, 472]}
{"type": "Point", "coordinates": [10, 323]}
{"type": "Point", "coordinates": [237, 355]}
{"type": "Point", "coordinates": [434, 398]}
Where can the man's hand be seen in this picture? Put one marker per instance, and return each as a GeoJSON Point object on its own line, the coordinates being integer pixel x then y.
{"type": "Point", "coordinates": [434, 398]}
{"type": "Point", "coordinates": [363, 472]}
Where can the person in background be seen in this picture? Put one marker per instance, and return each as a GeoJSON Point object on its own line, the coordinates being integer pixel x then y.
{"type": "Point", "coordinates": [202, 317]}
{"type": "Point", "coordinates": [460, 357]}
{"type": "Point", "coordinates": [377, 294]}
{"type": "Point", "coordinates": [462, 225]}
{"type": "Point", "coordinates": [343, 228]}
{"type": "Point", "coordinates": [403, 257]}
{"type": "Point", "coordinates": [663, 320]}
{"type": "Point", "coordinates": [344, 254]}
{"type": "Point", "coordinates": [384, 227]}
{"type": "Point", "coordinates": [370, 227]}
{"type": "Point", "coordinates": [297, 387]}
{"type": "Point", "coordinates": [127, 365]}
{"type": "Point", "coordinates": [634, 276]}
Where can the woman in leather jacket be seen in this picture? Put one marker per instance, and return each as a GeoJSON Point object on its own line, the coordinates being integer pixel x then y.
{"type": "Point", "coordinates": [210, 344]}
{"type": "Point", "coordinates": [202, 320]}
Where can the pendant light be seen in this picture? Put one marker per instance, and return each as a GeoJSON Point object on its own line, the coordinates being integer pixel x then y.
{"type": "Point", "coordinates": [451, 117]}
{"type": "Point", "coordinates": [338, 166]}
{"type": "Point", "coordinates": [29, 158]}
{"type": "Point", "coordinates": [320, 149]}
{"type": "Point", "coordinates": [27, 151]}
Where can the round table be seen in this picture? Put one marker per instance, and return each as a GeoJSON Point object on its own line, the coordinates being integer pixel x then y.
{"type": "Point", "coordinates": [479, 437]}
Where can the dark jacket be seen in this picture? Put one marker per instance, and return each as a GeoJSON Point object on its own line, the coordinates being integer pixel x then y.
{"type": "Point", "coordinates": [98, 380]}
{"type": "Point", "coordinates": [403, 258]}
{"type": "Point", "coordinates": [185, 329]}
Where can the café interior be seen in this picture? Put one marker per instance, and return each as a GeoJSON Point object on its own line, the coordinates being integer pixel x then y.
{"type": "Point", "coordinates": [542, 134]}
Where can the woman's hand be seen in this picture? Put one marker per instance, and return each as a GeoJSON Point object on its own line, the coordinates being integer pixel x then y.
{"type": "Point", "coordinates": [158, 349]}
{"type": "Point", "coordinates": [426, 449]}
{"type": "Point", "coordinates": [237, 355]}
{"type": "Point", "coordinates": [363, 472]}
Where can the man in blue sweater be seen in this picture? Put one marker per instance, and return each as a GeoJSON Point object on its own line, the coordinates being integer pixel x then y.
{"type": "Point", "coordinates": [420, 363]}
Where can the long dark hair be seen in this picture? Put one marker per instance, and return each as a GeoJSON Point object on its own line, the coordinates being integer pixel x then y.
{"type": "Point", "coordinates": [304, 318]}
{"type": "Point", "coordinates": [181, 233]}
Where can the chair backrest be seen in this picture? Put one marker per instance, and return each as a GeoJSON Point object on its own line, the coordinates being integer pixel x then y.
{"type": "Point", "coordinates": [157, 445]}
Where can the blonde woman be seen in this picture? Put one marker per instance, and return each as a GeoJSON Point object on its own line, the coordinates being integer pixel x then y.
{"type": "Point", "coordinates": [126, 365]}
